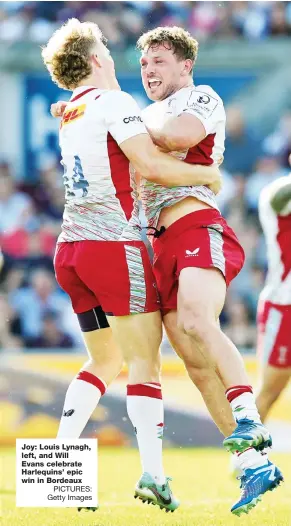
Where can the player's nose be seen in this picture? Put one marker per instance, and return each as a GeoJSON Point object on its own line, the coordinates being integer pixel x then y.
{"type": "Point", "coordinates": [150, 70]}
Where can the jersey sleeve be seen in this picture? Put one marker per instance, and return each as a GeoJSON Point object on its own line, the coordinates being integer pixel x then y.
{"type": "Point", "coordinates": [123, 116]}
{"type": "Point", "coordinates": [205, 104]}
{"type": "Point", "coordinates": [152, 116]}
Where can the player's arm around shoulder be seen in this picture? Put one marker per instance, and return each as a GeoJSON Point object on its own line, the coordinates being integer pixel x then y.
{"type": "Point", "coordinates": [163, 169]}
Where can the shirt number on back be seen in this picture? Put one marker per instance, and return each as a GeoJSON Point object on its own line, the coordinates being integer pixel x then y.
{"type": "Point", "coordinates": [76, 185]}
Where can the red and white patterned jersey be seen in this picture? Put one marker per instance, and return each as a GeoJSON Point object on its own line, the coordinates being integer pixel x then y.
{"type": "Point", "coordinates": [277, 230]}
{"type": "Point", "coordinates": [207, 106]}
{"type": "Point", "coordinates": [101, 197]}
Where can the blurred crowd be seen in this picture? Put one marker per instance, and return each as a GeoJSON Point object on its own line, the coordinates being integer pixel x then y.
{"type": "Point", "coordinates": [123, 22]}
{"type": "Point", "coordinates": [35, 313]}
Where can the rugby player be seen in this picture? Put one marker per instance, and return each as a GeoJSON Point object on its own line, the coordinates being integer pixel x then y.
{"type": "Point", "coordinates": [100, 260]}
{"type": "Point", "coordinates": [274, 307]}
{"type": "Point", "coordinates": [196, 254]}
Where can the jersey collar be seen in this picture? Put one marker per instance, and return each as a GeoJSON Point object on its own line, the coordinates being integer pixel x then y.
{"type": "Point", "coordinates": [181, 89]}
{"type": "Point", "coordinates": [81, 91]}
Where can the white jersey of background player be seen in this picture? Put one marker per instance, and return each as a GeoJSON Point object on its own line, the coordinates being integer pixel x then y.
{"type": "Point", "coordinates": [274, 308]}
{"type": "Point", "coordinates": [277, 231]}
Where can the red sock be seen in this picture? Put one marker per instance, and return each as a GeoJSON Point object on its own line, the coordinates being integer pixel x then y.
{"type": "Point", "coordinates": [233, 392]}
{"type": "Point", "coordinates": [82, 397]}
{"type": "Point", "coordinates": [150, 389]}
{"type": "Point", "coordinates": [92, 379]}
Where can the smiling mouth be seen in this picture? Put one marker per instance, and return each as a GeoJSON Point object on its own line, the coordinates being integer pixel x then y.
{"type": "Point", "coordinates": [154, 83]}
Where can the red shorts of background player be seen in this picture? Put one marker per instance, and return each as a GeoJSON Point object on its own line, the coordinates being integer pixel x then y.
{"type": "Point", "coordinates": [201, 239]}
{"type": "Point", "coordinates": [116, 275]}
{"type": "Point", "coordinates": [274, 334]}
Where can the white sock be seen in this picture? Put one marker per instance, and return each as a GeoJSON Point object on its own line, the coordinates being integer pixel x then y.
{"type": "Point", "coordinates": [146, 411]}
{"type": "Point", "coordinates": [244, 406]}
{"type": "Point", "coordinates": [83, 394]}
{"type": "Point", "coordinates": [251, 459]}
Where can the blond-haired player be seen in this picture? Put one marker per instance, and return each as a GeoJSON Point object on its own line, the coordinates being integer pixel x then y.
{"type": "Point", "coordinates": [100, 259]}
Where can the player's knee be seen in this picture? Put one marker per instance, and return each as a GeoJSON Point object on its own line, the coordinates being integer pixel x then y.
{"type": "Point", "coordinates": [141, 371]}
{"type": "Point", "coordinates": [112, 363]}
{"type": "Point", "coordinates": [195, 324]}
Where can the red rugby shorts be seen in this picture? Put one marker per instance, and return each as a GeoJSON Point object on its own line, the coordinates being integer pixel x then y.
{"type": "Point", "coordinates": [274, 334]}
{"type": "Point", "coordinates": [201, 239]}
{"type": "Point", "coordinates": [114, 274]}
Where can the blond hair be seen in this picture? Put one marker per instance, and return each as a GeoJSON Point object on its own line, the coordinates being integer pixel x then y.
{"type": "Point", "coordinates": [184, 46]}
{"type": "Point", "coordinates": [67, 53]}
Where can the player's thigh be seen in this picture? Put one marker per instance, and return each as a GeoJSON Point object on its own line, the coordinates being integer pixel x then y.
{"type": "Point", "coordinates": [102, 347]}
{"type": "Point", "coordinates": [139, 335]}
{"type": "Point", "coordinates": [105, 357]}
{"type": "Point", "coordinates": [209, 257]}
{"type": "Point", "coordinates": [128, 295]}
{"type": "Point", "coordinates": [183, 345]}
{"type": "Point", "coordinates": [201, 268]}
{"type": "Point", "coordinates": [274, 380]}
{"type": "Point", "coordinates": [201, 293]}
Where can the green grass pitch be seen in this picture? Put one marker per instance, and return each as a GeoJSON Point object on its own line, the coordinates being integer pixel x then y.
{"type": "Point", "coordinates": [201, 481]}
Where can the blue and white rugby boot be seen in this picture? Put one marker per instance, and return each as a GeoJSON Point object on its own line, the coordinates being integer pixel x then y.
{"type": "Point", "coordinates": [248, 434]}
{"type": "Point", "coordinates": [254, 483]}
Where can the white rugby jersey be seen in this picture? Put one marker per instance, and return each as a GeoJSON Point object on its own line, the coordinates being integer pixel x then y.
{"type": "Point", "coordinates": [101, 197]}
{"type": "Point", "coordinates": [277, 230]}
{"type": "Point", "coordinates": [204, 103]}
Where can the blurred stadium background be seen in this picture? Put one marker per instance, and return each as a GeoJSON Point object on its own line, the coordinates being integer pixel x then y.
{"type": "Point", "coordinates": [245, 56]}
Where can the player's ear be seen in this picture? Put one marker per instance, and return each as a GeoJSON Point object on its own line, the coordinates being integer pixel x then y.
{"type": "Point", "coordinates": [188, 65]}
{"type": "Point", "coordinates": [96, 61]}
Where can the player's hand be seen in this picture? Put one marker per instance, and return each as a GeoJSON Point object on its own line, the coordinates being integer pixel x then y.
{"type": "Point", "coordinates": [216, 185]}
{"type": "Point", "coordinates": [58, 108]}
{"type": "Point", "coordinates": [220, 160]}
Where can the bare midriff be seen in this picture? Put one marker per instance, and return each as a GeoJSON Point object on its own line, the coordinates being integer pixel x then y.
{"type": "Point", "coordinates": [170, 214]}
